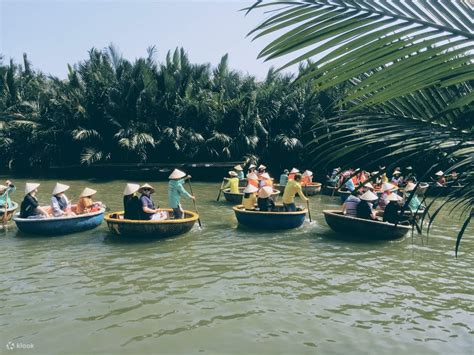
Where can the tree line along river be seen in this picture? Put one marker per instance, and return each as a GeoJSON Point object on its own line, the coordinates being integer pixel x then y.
{"type": "Point", "coordinates": [224, 289]}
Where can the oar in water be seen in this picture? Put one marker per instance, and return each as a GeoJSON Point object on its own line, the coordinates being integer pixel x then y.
{"type": "Point", "coordinates": [309, 212]}
{"type": "Point", "coordinates": [194, 203]}
{"type": "Point", "coordinates": [5, 217]}
{"type": "Point", "coordinates": [220, 190]}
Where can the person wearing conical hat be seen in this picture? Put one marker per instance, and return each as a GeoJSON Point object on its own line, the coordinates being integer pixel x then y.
{"type": "Point", "coordinates": [30, 207]}
{"type": "Point", "coordinates": [261, 170]}
{"type": "Point", "coordinates": [293, 172]}
{"type": "Point", "coordinates": [240, 172]}
{"type": "Point", "coordinates": [250, 198]}
{"type": "Point", "coordinates": [414, 203]}
{"type": "Point", "coordinates": [392, 211]}
{"type": "Point", "coordinates": [387, 189]}
{"type": "Point", "coordinates": [292, 188]}
{"type": "Point", "coordinates": [264, 201]}
{"type": "Point", "coordinates": [284, 177]}
{"type": "Point", "coordinates": [232, 183]}
{"type": "Point", "coordinates": [60, 204]}
{"type": "Point", "coordinates": [441, 179]}
{"type": "Point", "coordinates": [397, 178]}
{"type": "Point", "coordinates": [85, 203]}
{"type": "Point", "coordinates": [176, 190]}
{"type": "Point", "coordinates": [266, 180]}
{"type": "Point", "coordinates": [252, 179]}
{"type": "Point", "coordinates": [307, 177]}
{"type": "Point", "coordinates": [148, 210]}
{"type": "Point", "coordinates": [365, 207]}
{"type": "Point", "coordinates": [132, 206]}
{"type": "Point", "coordinates": [251, 169]}
{"type": "Point", "coordinates": [5, 194]}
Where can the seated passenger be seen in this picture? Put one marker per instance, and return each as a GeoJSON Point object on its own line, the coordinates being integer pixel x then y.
{"type": "Point", "coordinates": [284, 177]}
{"type": "Point", "coordinates": [264, 201]}
{"type": "Point", "coordinates": [414, 204]}
{"type": "Point", "coordinates": [391, 214]}
{"type": "Point", "coordinates": [365, 206]}
{"type": "Point", "coordinates": [387, 189]}
{"type": "Point", "coordinates": [60, 205]}
{"type": "Point", "coordinates": [292, 174]}
{"type": "Point", "coordinates": [85, 204]}
{"type": "Point", "coordinates": [252, 179]}
{"type": "Point", "coordinates": [240, 172]}
{"type": "Point", "coordinates": [441, 179]}
{"type": "Point", "coordinates": [266, 180]}
{"type": "Point", "coordinates": [131, 202]}
{"type": "Point", "coordinates": [30, 207]}
{"type": "Point", "coordinates": [148, 210]}
{"type": "Point", "coordinates": [349, 207]}
{"type": "Point", "coordinates": [250, 198]}
{"type": "Point", "coordinates": [307, 177]}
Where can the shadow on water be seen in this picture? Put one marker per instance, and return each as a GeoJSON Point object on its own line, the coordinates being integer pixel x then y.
{"type": "Point", "coordinates": [356, 239]}
{"type": "Point", "coordinates": [137, 239]}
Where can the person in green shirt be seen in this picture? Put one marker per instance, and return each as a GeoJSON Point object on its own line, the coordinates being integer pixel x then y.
{"type": "Point", "coordinates": [415, 203]}
{"type": "Point", "coordinates": [176, 190]}
{"type": "Point", "coordinates": [292, 188]}
{"type": "Point", "coordinates": [232, 183]}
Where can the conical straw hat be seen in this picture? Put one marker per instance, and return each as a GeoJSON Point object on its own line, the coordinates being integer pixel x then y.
{"type": "Point", "coordinates": [308, 173]}
{"type": "Point", "coordinates": [294, 171]}
{"type": "Point", "coordinates": [58, 188]}
{"type": "Point", "coordinates": [394, 197]}
{"type": "Point", "coordinates": [369, 185]}
{"type": "Point", "coordinates": [252, 176]}
{"type": "Point", "coordinates": [265, 192]}
{"type": "Point", "coordinates": [252, 166]}
{"type": "Point", "coordinates": [250, 189]}
{"type": "Point", "coordinates": [388, 187]}
{"type": "Point", "coordinates": [130, 189]}
{"type": "Point", "coordinates": [439, 173]}
{"type": "Point", "coordinates": [146, 186]}
{"type": "Point", "coordinates": [369, 196]}
{"type": "Point", "coordinates": [410, 187]}
{"type": "Point", "coordinates": [261, 166]}
{"type": "Point", "coordinates": [177, 174]}
{"type": "Point", "coordinates": [87, 192]}
{"type": "Point", "coordinates": [232, 173]}
{"type": "Point", "coordinates": [238, 168]}
{"type": "Point", "coordinates": [31, 186]}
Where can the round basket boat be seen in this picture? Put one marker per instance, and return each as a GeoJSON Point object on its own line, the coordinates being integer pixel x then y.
{"type": "Point", "coordinates": [150, 229]}
{"type": "Point", "coordinates": [434, 191]}
{"type": "Point", "coordinates": [236, 198]}
{"type": "Point", "coordinates": [269, 220]}
{"type": "Point", "coordinates": [363, 229]}
{"type": "Point", "coordinates": [328, 190]}
{"type": "Point", "coordinates": [312, 189]}
{"type": "Point", "coordinates": [60, 225]}
{"type": "Point", "coordinates": [10, 212]}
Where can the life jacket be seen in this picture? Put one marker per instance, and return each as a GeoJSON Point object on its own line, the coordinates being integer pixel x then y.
{"type": "Point", "coordinates": [253, 182]}
{"type": "Point", "coordinates": [305, 180]}
{"type": "Point", "coordinates": [291, 176]}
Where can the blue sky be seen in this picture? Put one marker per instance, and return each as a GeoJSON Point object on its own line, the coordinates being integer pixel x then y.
{"type": "Point", "coordinates": [54, 33]}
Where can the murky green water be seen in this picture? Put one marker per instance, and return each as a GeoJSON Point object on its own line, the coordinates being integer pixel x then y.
{"type": "Point", "coordinates": [228, 290]}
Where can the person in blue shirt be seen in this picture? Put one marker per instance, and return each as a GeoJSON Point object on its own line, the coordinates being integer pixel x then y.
{"type": "Point", "coordinates": [176, 190]}
{"type": "Point", "coordinates": [148, 209]}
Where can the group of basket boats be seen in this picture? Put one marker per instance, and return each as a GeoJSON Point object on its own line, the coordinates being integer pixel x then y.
{"type": "Point", "coordinates": [278, 219]}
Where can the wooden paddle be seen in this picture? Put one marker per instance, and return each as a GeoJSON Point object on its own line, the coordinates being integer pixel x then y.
{"type": "Point", "coordinates": [194, 203]}
{"type": "Point", "coordinates": [220, 191]}
{"type": "Point", "coordinates": [309, 212]}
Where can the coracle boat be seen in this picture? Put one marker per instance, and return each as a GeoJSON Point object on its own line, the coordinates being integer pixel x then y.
{"type": "Point", "coordinates": [269, 220]}
{"type": "Point", "coordinates": [150, 229]}
{"type": "Point", "coordinates": [10, 212]}
{"type": "Point", "coordinates": [60, 225]}
{"type": "Point", "coordinates": [312, 189]}
{"type": "Point", "coordinates": [237, 197]}
{"type": "Point", "coordinates": [363, 229]}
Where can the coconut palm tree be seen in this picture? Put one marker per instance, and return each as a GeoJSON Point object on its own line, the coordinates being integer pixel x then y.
{"type": "Point", "coordinates": [406, 67]}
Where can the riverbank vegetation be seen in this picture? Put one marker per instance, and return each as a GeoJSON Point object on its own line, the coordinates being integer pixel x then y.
{"type": "Point", "coordinates": [111, 110]}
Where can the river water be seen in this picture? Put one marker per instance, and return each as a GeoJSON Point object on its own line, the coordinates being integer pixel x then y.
{"type": "Point", "coordinates": [224, 289]}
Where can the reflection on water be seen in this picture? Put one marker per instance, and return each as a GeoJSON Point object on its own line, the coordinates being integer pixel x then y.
{"type": "Point", "coordinates": [227, 289]}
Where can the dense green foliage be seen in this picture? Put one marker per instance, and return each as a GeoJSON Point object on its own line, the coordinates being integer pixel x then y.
{"type": "Point", "coordinates": [407, 68]}
{"type": "Point", "coordinates": [112, 110]}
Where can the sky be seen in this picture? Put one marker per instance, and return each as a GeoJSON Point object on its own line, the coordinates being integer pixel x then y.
{"type": "Point", "coordinates": [54, 33]}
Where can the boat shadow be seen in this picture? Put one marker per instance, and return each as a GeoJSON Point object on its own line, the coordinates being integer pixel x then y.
{"type": "Point", "coordinates": [355, 239]}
